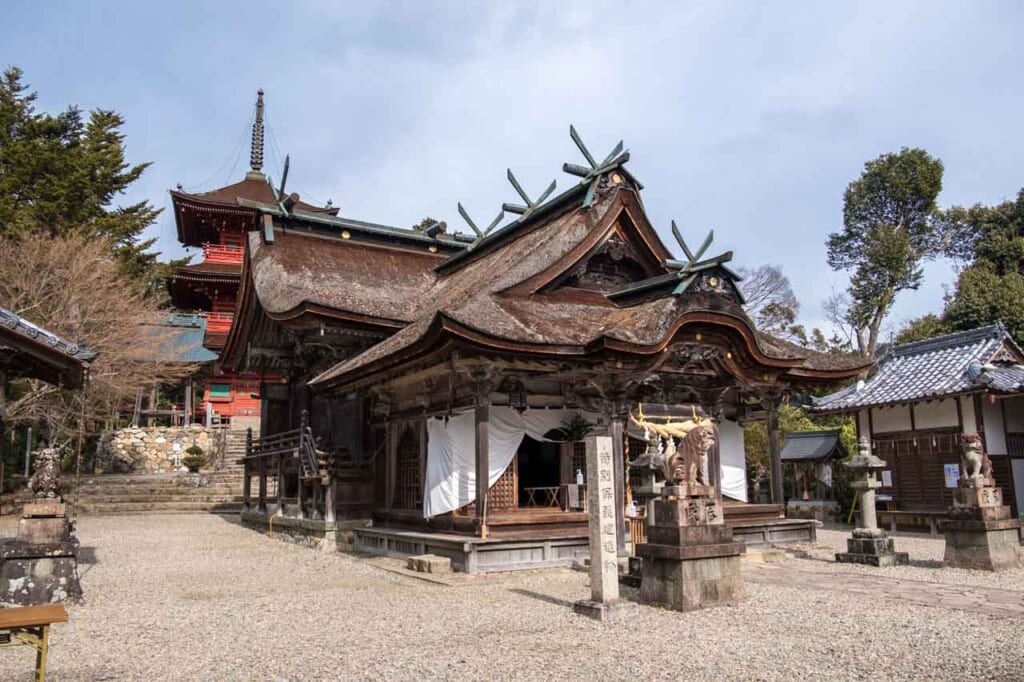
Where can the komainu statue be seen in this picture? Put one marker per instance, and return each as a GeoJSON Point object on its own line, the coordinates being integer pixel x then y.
{"type": "Point", "coordinates": [678, 449]}
{"type": "Point", "coordinates": [45, 474]}
{"type": "Point", "coordinates": [975, 466]}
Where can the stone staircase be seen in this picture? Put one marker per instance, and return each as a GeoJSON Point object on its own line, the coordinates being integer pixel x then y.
{"type": "Point", "coordinates": [217, 491]}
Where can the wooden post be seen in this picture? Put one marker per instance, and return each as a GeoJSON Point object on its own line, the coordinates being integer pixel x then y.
{"type": "Point", "coordinates": [483, 463]}
{"type": "Point", "coordinates": [247, 472]}
{"type": "Point", "coordinates": [775, 452]}
{"type": "Point", "coordinates": [391, 448]}
{"type": "Point", "coordinates": [616, 430]}
{"type": "Point", "coordinates": [280, 485]}
{"type": "Point", "coordinates": [261, 503]}
{"type": "Point", "coordinates": [188, 400]}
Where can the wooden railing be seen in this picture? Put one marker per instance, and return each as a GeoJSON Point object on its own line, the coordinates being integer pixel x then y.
{"type": "Point", "coordinates": [297, 443]}
{"type": "Point", "coordinates": [220, 253]}
{"type": "Point", "coordinates": [218, 322]}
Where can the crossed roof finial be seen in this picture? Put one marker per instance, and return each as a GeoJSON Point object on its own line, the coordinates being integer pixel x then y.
{"type": "Point", "coordinates": [531, 204]}
{"type": "Point", "coordinates": [616, 157]}
{"type": "Point", "coordinates": [688, 270]}
{"type": "Point", "coordinates": [480, 234]}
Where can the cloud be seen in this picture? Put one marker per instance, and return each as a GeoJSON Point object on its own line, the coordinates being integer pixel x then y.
{"type": "Point", "coordinates": [746, 118]}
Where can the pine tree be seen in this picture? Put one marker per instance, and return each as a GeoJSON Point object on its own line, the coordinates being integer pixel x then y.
{"type": "Point", "coordinates": [61, 174]}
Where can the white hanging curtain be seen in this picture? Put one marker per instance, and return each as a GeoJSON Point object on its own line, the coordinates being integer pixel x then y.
{"type": "Point", "coordinates": [733, 459]}
{"type": "Point", "coordinates": [451, 451]}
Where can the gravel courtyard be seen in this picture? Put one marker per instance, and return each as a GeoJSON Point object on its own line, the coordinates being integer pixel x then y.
{"type": "Point", "coordinates": [197, 597]}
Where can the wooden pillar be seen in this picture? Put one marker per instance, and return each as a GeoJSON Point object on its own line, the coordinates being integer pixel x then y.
{"type": "Point", "coordinates": [391, 449]}
{"type": "Point", "coordinates": [280, 485]}
{"type": "Point", "coordinates": [617, 431]}
{"type": "Point", "coordinates": [246, 471]}
{"type": "Point", "coordinates": [261, 502]}
{"type": "Point", "coordinates": [188, 400]}
{"type": "Point", "coordinates": [300, 493]}
{"type": "Point", "coordinates": [482, 416]}
{"type": "Point", "coordinates": [775, 452]}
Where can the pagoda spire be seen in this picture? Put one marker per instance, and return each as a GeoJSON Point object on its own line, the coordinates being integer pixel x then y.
{"type": "Point", "coordinates": [256, 153]}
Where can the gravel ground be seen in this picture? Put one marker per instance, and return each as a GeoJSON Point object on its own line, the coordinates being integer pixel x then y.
{"type": "Point", "coordinates": [925, 552]}
{"type": "Point", "coordinates": [197, 597]}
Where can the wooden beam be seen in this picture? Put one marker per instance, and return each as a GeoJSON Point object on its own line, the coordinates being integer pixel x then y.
{"type": "Point", "coordinates": [616, 429]}
{"type": "Point", "coordinates": [483, 463]}
{"type": "Point", "coordinates": [775, 453]}
{"type": "Point", "coordinates": [261, 502]}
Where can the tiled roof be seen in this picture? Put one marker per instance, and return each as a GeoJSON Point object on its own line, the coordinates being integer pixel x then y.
{"type": "Point", "coordinates": [946, 365]}
{"type": "Point", "coordinates": [812, 445]}
{"type": "Point", "coordinates": [24, 328]}
{"type": "Point", "coordinates": [179, 339]}
{"type": "Point", "coordinates": [1002, 379]}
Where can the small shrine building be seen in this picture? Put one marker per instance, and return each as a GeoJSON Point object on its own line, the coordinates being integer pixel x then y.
{"type": "Point", "coordinates": [920, 401]}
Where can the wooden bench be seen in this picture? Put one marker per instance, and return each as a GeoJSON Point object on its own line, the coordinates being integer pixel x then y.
{"type": "Point", "coordinates": [927, 516]}
{"type": "Point", "coordinates": [31, 625]}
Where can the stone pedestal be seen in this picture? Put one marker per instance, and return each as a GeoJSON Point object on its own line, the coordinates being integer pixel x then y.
{"type": "Point", "coordinates": [690, 559]}
{"type": "Point", "coordinates": [873, 547]}
{"type": "Point", "coordinates": [40, 566]}
{"type": "Point", "coordinates": [981, 532]}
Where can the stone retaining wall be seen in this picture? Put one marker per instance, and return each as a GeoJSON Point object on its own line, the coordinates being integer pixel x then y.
{"type": "Point", "coordinates": [151, 449]}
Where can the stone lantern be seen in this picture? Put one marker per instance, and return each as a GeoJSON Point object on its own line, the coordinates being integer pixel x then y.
{"type": "Point", "coordinates": [869, 544]}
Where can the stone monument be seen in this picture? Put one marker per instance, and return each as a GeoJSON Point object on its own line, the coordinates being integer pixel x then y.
{"type": "Point", "coordinates": [604, 603]}
{"type": "Point", "coordinates": [870, 544]}
{"type": "Point", "coordinates": [981, 533]}
{"type": "Point", "coordinates": [690, 559]}
{"type": "Point", "coordinates": [40, 566]}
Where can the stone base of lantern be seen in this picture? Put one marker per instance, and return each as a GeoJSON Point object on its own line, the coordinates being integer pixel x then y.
{"type": "Point", "coordinates": [40, 566]}
{"type": "Point", "coordinates": [981, 532]}
{"type": "Point", "coordinates": [871, 547]}
{"type": "Point", "coordinates": [691, 560]}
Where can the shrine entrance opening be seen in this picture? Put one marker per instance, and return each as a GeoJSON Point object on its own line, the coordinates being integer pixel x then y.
{"type": "Point", "coordinates": [539, 474]}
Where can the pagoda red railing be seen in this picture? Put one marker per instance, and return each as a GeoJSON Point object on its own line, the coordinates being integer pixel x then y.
{"type": "Point", "coordinates": [218, 322]}
{"type": "Point", "coordinates": [220, 253]}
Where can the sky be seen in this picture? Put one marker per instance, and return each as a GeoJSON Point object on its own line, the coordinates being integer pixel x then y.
{"type": "Point", "coordinates": [748, 118]}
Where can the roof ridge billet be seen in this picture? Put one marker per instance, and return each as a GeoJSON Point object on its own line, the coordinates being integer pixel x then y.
{"type": "Point", "coordinates": [952, 340]}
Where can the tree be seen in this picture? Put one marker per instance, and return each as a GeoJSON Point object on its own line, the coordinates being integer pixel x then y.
{"type": "Point", "coordinates": [988, 242]}
{"type": "Point", "coordinates": [61, 174]}
{"type": "Point", "coordinates": [888, 230]}
{"type": "Point", "coordinates": [924, 327]}
{"type": "Point", "coordinates": [771, 303]}
{"type": "Point", "coordinates": [982, 297]}
{"type": "Point", "coordinates": [73, 286]}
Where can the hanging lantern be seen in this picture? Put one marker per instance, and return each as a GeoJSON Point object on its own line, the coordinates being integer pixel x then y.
{"type": "Point", "coordinates": [517, 396]}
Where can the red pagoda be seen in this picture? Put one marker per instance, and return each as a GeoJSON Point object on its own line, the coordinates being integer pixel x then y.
{"type": "Point", "coordinates": [217, 222]}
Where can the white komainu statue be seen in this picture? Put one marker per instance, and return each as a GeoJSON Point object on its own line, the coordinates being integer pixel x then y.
{"type": "Point", "coordinates": [975, 466]}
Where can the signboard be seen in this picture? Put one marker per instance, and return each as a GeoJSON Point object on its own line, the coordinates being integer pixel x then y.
{"type": "Point", "coordinates": [604, 567]}
{"type": "Point", "coordinates": [952, 474]}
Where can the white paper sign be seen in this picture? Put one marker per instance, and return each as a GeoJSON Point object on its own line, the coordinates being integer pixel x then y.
{"type": "Point", "coordinates": [952, 474]}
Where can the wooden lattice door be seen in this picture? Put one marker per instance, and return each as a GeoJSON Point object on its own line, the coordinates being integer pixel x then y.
{"type": "Point", "coordinates": [408, 485]}
{"type": "Point", "coordinates": [504, 494]}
